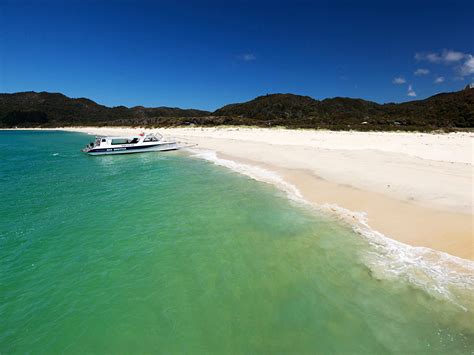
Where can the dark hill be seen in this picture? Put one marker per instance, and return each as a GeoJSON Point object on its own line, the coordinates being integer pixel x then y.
{"type": "Point", "coordinates": [451, 110]}
{"type": "Point", "coordinates": [443, 111]}
{"type": "Point", "coordinates": [21, 109]}
{"type": "Point", "coordinates": [271, 107]}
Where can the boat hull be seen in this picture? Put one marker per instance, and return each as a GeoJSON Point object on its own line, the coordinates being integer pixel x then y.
{"type": "Point", "coordinates": [161, 147]}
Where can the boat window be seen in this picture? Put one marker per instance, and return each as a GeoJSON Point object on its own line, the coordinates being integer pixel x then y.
{"type": "Point", "coordinates": [124, 141]}
{"type": "Point", "coordinates": [103, 140]}
{"type": "Point", "coordinates": [120, 141]}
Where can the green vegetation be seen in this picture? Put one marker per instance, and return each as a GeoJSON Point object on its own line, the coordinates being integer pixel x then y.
{"type": "Point", "coordinates": [442, 111]}
{"type": "Point", "coordinates": [60, 110]}
{"type": "Point", "coordinates": [449, 111]}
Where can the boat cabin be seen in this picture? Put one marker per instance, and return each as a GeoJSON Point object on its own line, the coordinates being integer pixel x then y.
{"type": "Point", "coordinates": [107, 141]}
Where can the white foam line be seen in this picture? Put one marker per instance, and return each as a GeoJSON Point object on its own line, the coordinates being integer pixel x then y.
{"type": "Point", "coordinates": [440, 274]}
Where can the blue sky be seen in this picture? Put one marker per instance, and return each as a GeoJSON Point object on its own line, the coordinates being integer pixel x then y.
{"type": "Point", "coordinates": [205, 54]}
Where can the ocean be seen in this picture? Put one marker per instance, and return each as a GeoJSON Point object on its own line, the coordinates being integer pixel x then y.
{"type": "Point", "coordinates": [173, 253]}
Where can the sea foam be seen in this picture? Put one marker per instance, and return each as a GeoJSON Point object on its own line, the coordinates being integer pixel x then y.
{"type": "Point", "coordinates": [441, 275]}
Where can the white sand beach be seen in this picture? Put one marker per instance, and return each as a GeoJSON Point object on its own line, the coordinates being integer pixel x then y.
{"type": "Point", "coordinates": [416, 188]}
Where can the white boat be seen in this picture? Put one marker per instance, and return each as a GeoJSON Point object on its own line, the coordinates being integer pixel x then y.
{"type": "Point", "coordinates": [104, 145]}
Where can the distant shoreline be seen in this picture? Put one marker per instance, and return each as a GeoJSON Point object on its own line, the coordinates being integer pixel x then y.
{"type": "Point", "coordinates": [414, 187]}
{"type": "Point", "coordinates": [90, 129]}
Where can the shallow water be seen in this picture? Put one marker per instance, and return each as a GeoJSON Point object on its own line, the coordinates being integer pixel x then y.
{"type": "Point", "coordinates": [165, 252]}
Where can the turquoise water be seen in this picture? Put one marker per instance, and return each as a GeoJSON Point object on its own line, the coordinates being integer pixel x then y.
{"type": "Point", "coordinates": [163, 252]}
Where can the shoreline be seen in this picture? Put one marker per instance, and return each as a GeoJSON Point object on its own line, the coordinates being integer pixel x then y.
{"type": "Point", "coordinates": [413, 192]}
{"type": "Point", "coordinates": [386, 215]}
{"type": "Point", "coordinates": [415, 188]}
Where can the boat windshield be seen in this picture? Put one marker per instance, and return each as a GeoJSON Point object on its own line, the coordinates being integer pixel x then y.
{"type": "Point", "coordinates": [151, 139]}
